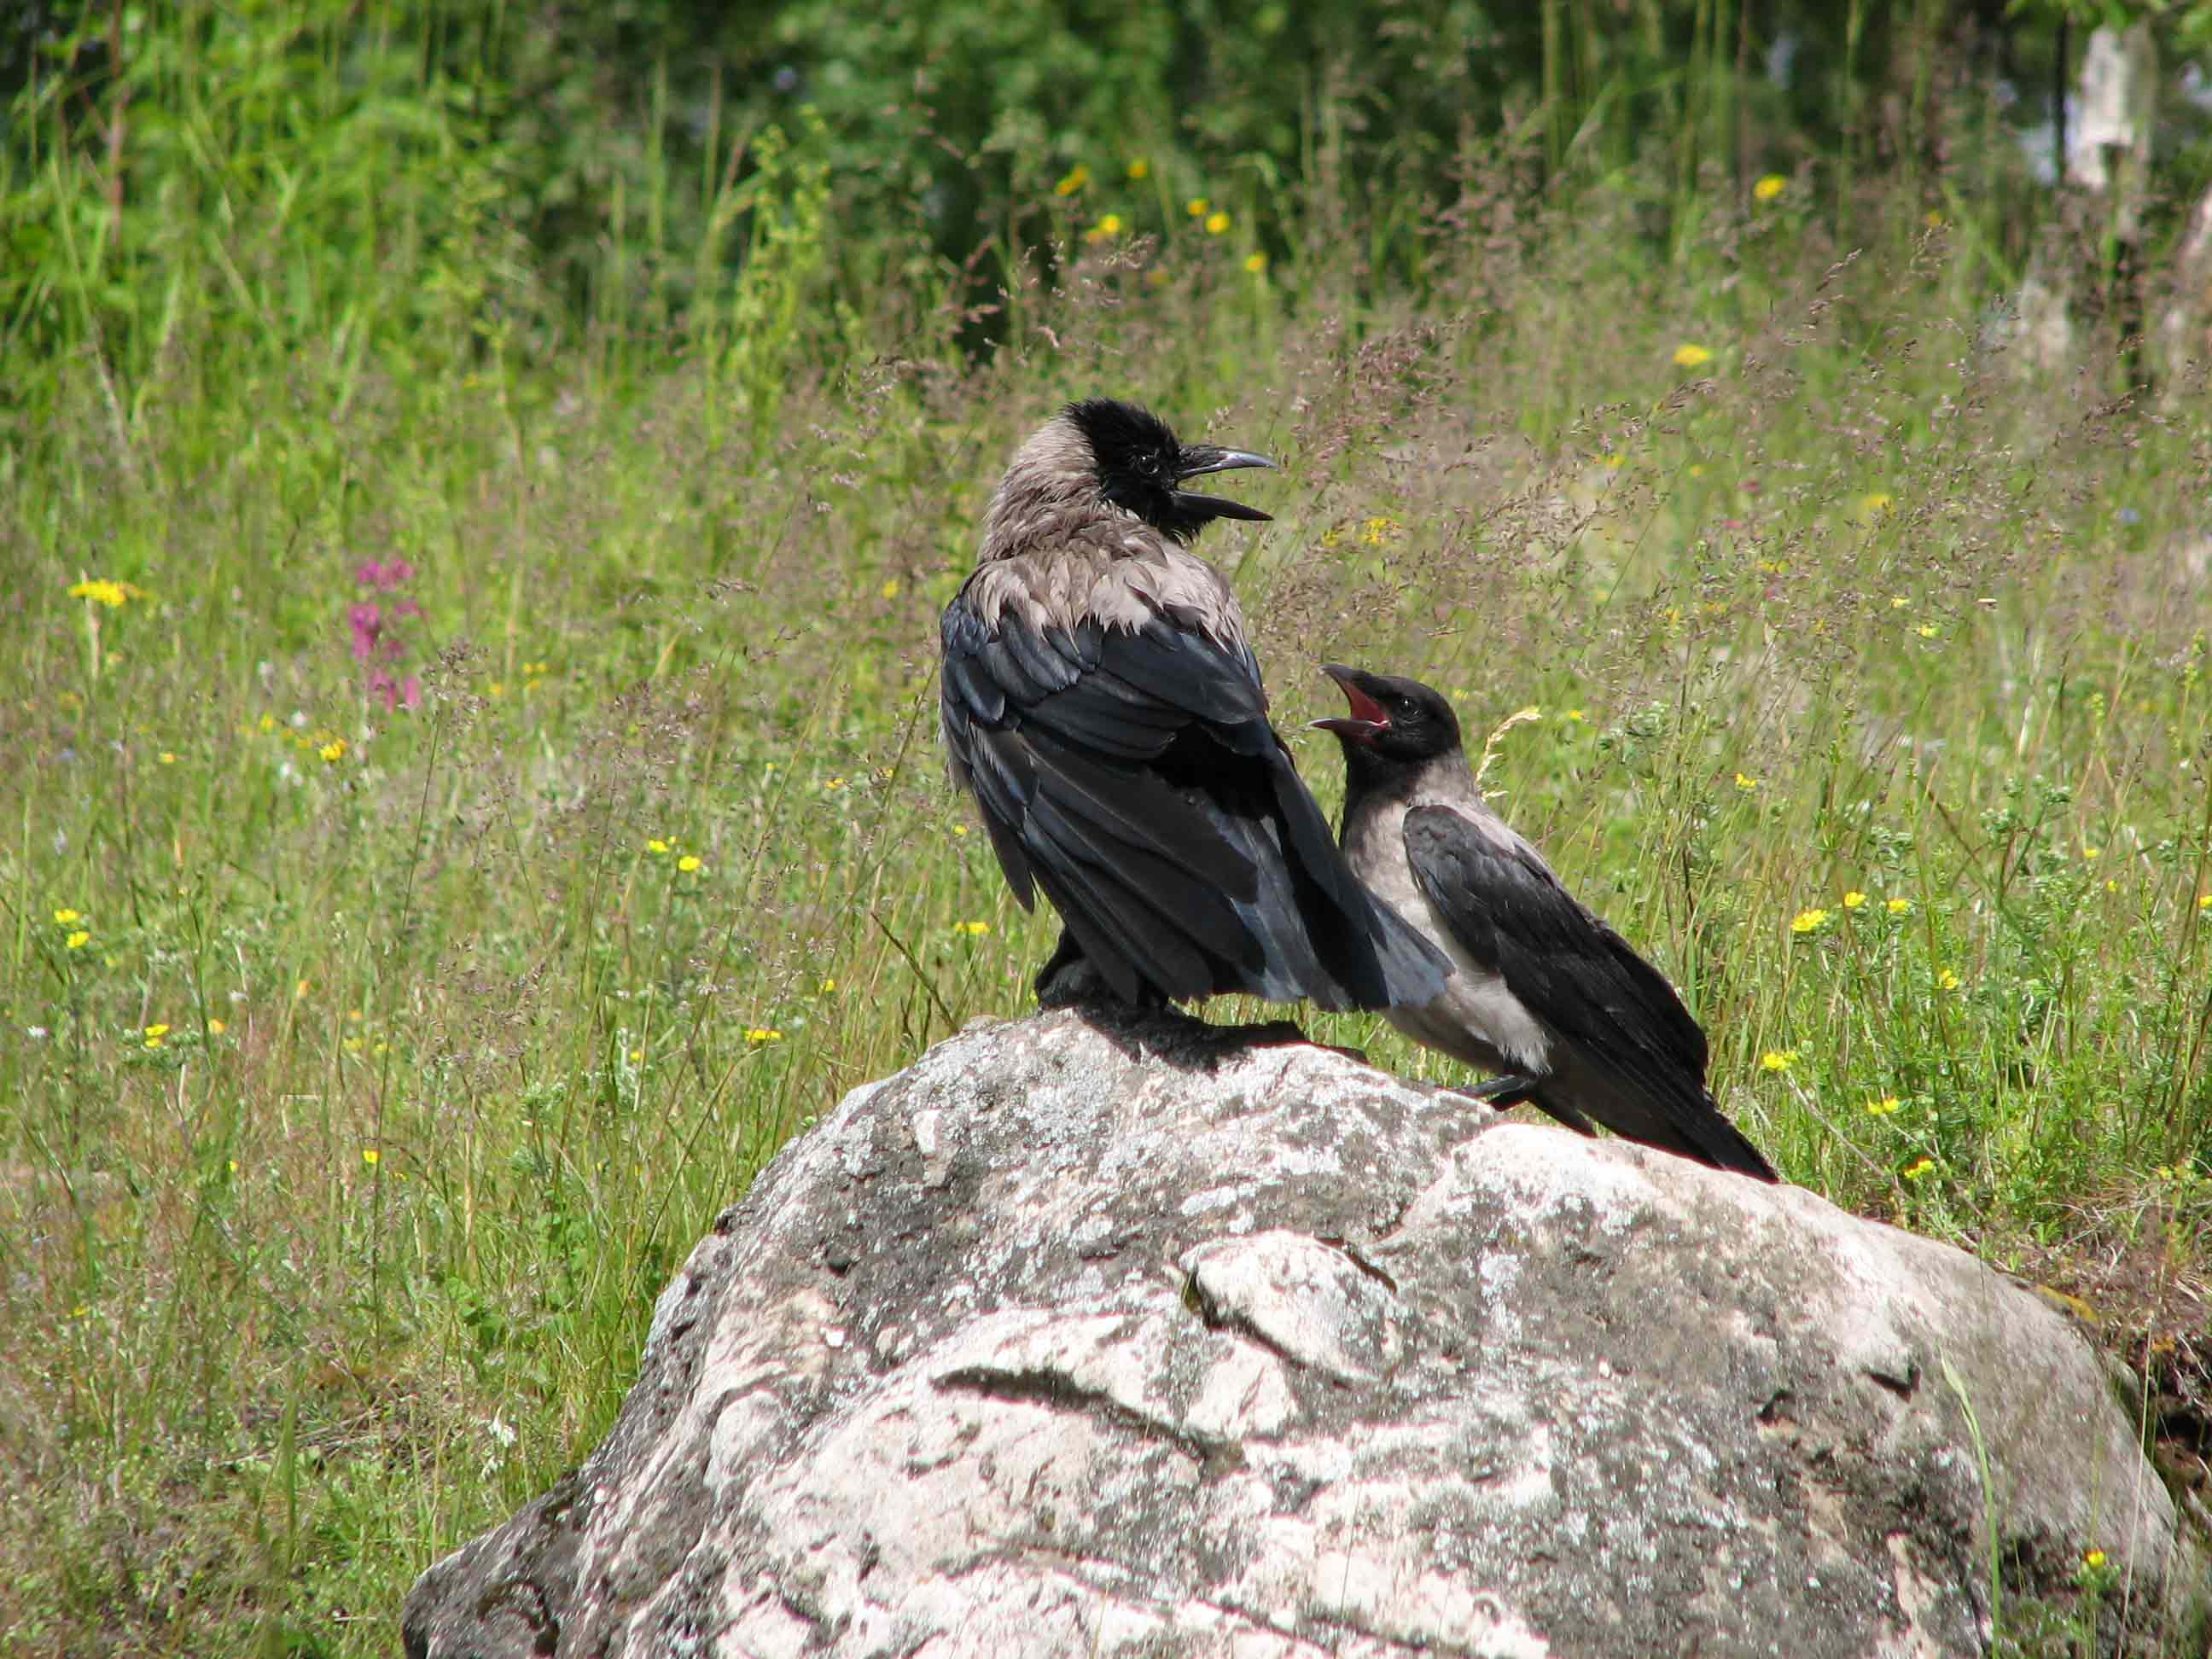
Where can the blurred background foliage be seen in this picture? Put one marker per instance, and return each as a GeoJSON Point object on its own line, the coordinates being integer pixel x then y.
{"type": "Point", "coordinates": [538, 169]}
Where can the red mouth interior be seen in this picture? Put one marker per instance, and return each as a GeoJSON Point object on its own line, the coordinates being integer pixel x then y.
{"type": "Point", "coordinates": [1360, 705]}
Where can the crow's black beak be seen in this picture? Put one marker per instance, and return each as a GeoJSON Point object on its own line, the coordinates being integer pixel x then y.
{"type": "Point", "coordinates": [1198, 459]}
{"type": "Point", "coordinates": [1364, 720]}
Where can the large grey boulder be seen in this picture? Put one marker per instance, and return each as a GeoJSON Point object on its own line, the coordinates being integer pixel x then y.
{"type": "Point", "coordinates": [1146, 1341]}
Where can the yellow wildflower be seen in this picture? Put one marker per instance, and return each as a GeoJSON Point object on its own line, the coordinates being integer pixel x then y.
{"type": "Point", "coordinates": [1747, 784]}
{"type": "Point", "coordinates": [1926, 630]}
{"type": "Point", "coordinates": [1216, 222]}
{"type": "Point", "coordinates": [2204, 900]}
{"type": "Point", "coordinates": [1917, 1169]}
{"type": "Point", "coordinates": [1898, 906]}
{"type": "Point", "coordinates": [975, 929]}
{"type": "Point", "coordinates": [691, 864]}
{"type": "Point", "coordinates": [1196, 207]}
{"type": "Point", "coordinates": [1946, 980]}
{"type": "Point", "coordinates": [1874, 504]}
{"type": "Point", "coordinates": [64, 916]}
{"type": "Point", "coordinates": [2093, 1558]}
{"type": "Point", "coordinates": [333, 751]}
{"type": "Point", "coordinates": [827, 985]}
{"type": "Point", "coordinates": [155, 1034]}
{"type": "Point", "coordinates": [2092, 853]}
{"type": "Point", "coordinates": [959, 829]}
{"type": "Point", "coordinates": [1809, 921]}
{"type": "Point", "coordinates": [167, 759]}
{"type": "Point", "coordinates": [1075, 178]}
{"type": "Point", "coordinates": [351, 1045]}
{"type": "Point", "coordinates": [762, 1034]}
{"type": "Point", "coordinates": [78, 941]}
{"type": "Point", "coordinates": [1777, 1060]}
{"type": "Point", "coordinates": [216, 1027]}
{"type": "Point", "coordinates": [656, 845]}
{"type": "Point", "coordinates": [1140, 168]}
{"type": "Point", "coordinates": [1106, 229]}
{"type": "Point", "coordinates": [1692, 356]}
{"type": "Point", "coordinates": [890, 589]}
{"type": "Point", "coordinates": [371, 1156]}
{"type": "Point", "coordinates": [1853, 899]}
{"type": "Point", "coordinates": [1885, 1107]}
{"type": "Point", "coordinates": [1770, 187]}
{"type": "Point", "coordinates": [112, 594]}
{"type": "Point", "coordinates": [1575, 715]}
{"type": "Point", "coordinates": [1256, 263]}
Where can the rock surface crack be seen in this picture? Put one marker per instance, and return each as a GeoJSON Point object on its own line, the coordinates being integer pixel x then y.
{"type": "Point", "coordinates": [1043, 1386]}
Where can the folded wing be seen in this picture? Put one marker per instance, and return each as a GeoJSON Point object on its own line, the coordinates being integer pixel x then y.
{"type": "Point", "coordinates": [1133, 775]}
{"type": "Point", "coordinates": [1638, 1056]}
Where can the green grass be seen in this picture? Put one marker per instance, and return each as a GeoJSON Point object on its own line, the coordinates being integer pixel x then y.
{"type": "Point", "coordinates": [354, 1254]}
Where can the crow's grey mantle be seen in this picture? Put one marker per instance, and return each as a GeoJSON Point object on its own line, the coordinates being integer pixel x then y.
{"type": "Point", "coordinates": [1146, 1341]}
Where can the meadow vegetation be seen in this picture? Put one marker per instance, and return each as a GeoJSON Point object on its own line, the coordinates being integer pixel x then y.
{"type": "Point", "coordinates": [471, 788]}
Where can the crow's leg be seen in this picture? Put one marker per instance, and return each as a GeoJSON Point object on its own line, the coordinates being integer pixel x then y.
{"type": "Point", "coordinates": [1055, 983]}
{"type": "Point", "coordinates": [1068, 980]}
{"type": "Point", "coordinates": [1502, 1092]}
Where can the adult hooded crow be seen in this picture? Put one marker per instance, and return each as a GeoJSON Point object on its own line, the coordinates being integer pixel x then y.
{"type": "Point", "coordinates": [1102, 704]}
{"type": "Point", "coordinates": [1542, 990]}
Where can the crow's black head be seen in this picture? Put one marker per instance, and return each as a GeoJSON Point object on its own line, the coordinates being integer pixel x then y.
{"type": "Point", "coordinates": [1391, 725]}
{"type": "Point", "coordinates": [1141, 467]}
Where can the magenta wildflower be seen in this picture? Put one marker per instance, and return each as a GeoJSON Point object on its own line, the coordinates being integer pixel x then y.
{"type": "Point", "coordinates": [395, 692]}
{"type": "Point", "coordinates": [369, 641]}
{"type": "Point", "coordinates": [384, 577]}
{"type": "Point", "coordinates": [375, 641]}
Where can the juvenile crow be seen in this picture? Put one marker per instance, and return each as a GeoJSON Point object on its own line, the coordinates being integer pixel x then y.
{"type": "Point", "coordinates": [1101, 702]}
{"type": "Point", "coordinates": [1543, 991]}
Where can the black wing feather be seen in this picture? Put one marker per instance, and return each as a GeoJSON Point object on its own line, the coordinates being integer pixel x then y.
{"type": "Point", "coordinates": [1615, 1012]}
{"type": "Point", "coordinates": [1133, 776]}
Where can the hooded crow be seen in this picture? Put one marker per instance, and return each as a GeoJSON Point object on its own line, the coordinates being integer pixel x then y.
{"type": "Point", "coordinates": [1101, 703]}
{"type": "Point", "coordinates": [1542, 990]}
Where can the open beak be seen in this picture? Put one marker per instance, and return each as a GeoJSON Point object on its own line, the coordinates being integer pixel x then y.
{"type": "Point", "coordinates": [1198, 460]}
{"type": "Point", "coordinates": [1363, 719]}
